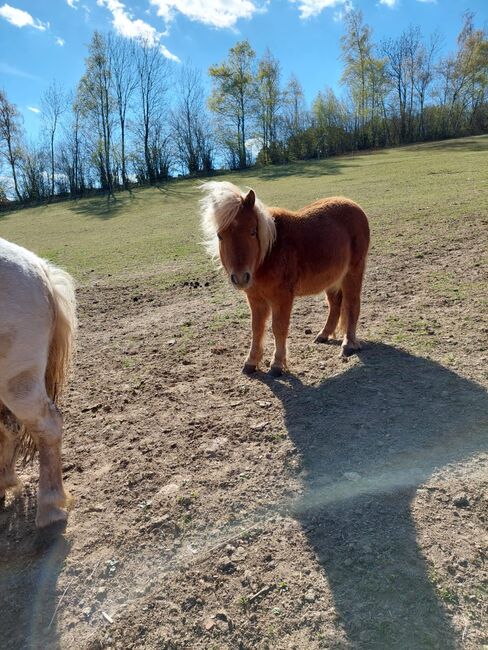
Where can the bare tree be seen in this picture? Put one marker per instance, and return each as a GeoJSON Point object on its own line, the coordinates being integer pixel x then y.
{"type": "Point", "coordinates": [153, 80]}
{"type": "Point", "coordinates": [10, 134]}
{"type": "Point", "coordinates": [97, 105]}
{"type": "Point", "coordinates": [402, 55]}
{"type": "Point", "coordinates": [294, 105]}
{"type": "Point", "coordinates": [190, 124]}
{"type": "Point", "coordinates": [73, 152]}
{"type": "Point", "coordinates": [296, 120]}
{"type": "Point", "coordinates": [124, 80]}
{"type": "Point", "coordinates": [53, 105]}
{"type": "Point", "coordinates": [35, 183]}
{"type": "Point", "coordinates": [425, 74]}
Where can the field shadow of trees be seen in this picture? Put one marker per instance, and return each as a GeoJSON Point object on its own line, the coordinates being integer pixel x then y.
{"type": "Point", "coordinates": [307, 169]}
{"type": "Point", "coordinates": [102, 207]}
{"type": "Point", "coordinates": [473, 144]}
{"type": "Point", "coordinates": [368, 439]}
{"type": "Point", "coordinates": [105, 208]}
{"type": "Point", "coordinates": [30, 564]}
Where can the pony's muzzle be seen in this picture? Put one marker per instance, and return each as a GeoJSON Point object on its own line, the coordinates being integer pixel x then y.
{"type": "Point", "coordinates": [240, 280]}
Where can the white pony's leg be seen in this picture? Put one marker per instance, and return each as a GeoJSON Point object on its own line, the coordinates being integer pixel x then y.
{"type": "Point", "coordinates": [9, 446]}
{"type": "Point", "coordinates": [27, 399]}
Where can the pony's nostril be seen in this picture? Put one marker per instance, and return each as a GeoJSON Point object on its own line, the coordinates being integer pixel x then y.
{"type": "Point", "coordinates": [246, 277]}
{"type": "Point", "coordinates": [233, 278]}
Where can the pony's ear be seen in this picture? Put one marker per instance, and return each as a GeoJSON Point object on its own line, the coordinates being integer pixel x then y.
{"type": "Point", "coordinates": [249, 199]}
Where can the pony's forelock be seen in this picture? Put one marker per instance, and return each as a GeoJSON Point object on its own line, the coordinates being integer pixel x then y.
{"type": "Point", "coordinates": [220, 205]}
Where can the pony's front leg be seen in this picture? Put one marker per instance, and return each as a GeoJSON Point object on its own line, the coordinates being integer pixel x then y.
{"type": "Point", "coordinates": [260, 311]}
{"type": "Point", "coordinates": [281, 320]}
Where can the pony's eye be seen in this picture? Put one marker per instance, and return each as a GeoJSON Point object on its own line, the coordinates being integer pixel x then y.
{"type": "Point", "coordinates": [219, 236]}
{"type": "Point", "coordinates": [253, 232]}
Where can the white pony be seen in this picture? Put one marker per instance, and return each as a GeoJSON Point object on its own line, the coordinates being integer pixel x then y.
{"type": "Point", "coordinates": [37, 328]}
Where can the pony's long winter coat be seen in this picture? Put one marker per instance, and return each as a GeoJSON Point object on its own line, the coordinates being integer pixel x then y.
{"type": "Point", "coordinates": [274, 254]}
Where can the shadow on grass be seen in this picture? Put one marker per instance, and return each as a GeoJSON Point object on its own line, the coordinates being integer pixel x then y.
{"type": "Point", "coordinates": [30, 564]}
{"type": "Point", "coordinates": [368, 439]}
{"type": "Point", "coordinates": [102, 207]}
{"type": "Point", "coordinates": [307, 169]}
{"type": "Point", "coordinates": [464, 144]}
{"type": "Point", "coordinates": [173, 188]}
{"type": "Point", "coordinates": [105, 208]}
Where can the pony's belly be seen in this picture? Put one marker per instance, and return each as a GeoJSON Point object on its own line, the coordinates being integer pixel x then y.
{"type": "Point", "coordinates": [317, 283]}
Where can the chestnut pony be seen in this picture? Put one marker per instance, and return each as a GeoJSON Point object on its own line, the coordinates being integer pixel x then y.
{"type": "Point", "coordinates": [274, 254]}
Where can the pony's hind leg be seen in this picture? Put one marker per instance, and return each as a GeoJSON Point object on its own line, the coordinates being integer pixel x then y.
{"type": "Point", "coordinates": [52, 497]}
{"type": "Point", "coordinates": [334, 298]}
{"type": "Point", "coordinates": [351, 305]}
{"type": "Point", "coordinates": [9, 450]}
{"type": "Point", "coordinates": [27, 399]}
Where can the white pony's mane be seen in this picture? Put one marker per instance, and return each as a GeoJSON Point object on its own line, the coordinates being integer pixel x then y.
{"type": "Point", "coordinates": [220, 205]}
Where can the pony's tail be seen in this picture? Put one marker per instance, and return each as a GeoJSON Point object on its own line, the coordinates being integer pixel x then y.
{"type": "Point", "coordinates": [62, 347]}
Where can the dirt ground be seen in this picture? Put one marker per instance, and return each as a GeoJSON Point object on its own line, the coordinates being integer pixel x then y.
{"type": "Point", "coordinates": [341, 506]}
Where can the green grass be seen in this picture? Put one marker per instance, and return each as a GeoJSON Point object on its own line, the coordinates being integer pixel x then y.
{"type": "Point", "coordinates": [417, 198]}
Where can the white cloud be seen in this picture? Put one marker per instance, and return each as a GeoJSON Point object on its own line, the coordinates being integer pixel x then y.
{"type": "Point", "coordinates": [389, 3]}
{"type": "Point", "coordinates": [137, 29]}
{"type": "Point", "coordinates": [169, 55]}
{"type": "Point", "coordinates": [217, 13]}
{"type": "Point", "coordinates": [310, 8]}
{"type": "Point", "coordinates": [21, 18]}
{"type": "Point", "coordinates": [73, 3]}
{"type": "Point", "coordinates": [34, 109]}
{"type": "Point", "coordinates": [60, 41]}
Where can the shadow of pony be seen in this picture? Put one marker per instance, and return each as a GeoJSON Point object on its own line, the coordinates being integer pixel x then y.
{"type": "Point", "coordinates": [30, 564]}
{"type": "Point", "coordinates": [368, 439]}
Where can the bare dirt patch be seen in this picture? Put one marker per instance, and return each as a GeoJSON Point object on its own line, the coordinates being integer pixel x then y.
{"type": "Point", "coordinates": [341, 506]}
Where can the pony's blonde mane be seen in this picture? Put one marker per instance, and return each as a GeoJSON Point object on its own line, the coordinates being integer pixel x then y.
{"type": "Point", "coordinates": [220, 205]}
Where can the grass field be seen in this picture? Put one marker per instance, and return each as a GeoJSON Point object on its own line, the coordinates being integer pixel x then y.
{"type": "Point", "coordinates": [343, 506]}
{"type": "Point", "coordinates": [416, 197]}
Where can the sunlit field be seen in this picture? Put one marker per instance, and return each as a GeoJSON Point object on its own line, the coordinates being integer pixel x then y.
{"type": "Point", "coordinates": [416, 196]}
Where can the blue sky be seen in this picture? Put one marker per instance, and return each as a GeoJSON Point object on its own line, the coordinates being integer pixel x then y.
{"type": "Point", "coordinates": [43, 40]}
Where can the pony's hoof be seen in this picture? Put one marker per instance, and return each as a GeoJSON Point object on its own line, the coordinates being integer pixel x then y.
{"type": "Point", "coordinates": [49, 535]}
{"type": "Point", "coordinates": [275, 371]}
{"type": "Point", "coordinates": [249, 369]}
{"type": "Point", "coordinates": [348, 350]}
{"type": "Point", "coordinates": [52, 515]}
{"type": "Point", "coordinates": [321, 339]}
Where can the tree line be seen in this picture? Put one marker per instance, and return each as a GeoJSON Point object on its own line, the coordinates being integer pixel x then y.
{"type": "Point", "coordinates": [134, 119]}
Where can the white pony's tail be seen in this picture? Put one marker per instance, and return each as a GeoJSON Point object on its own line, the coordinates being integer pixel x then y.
{"type": "Point", "coordinates": [62, 347]}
